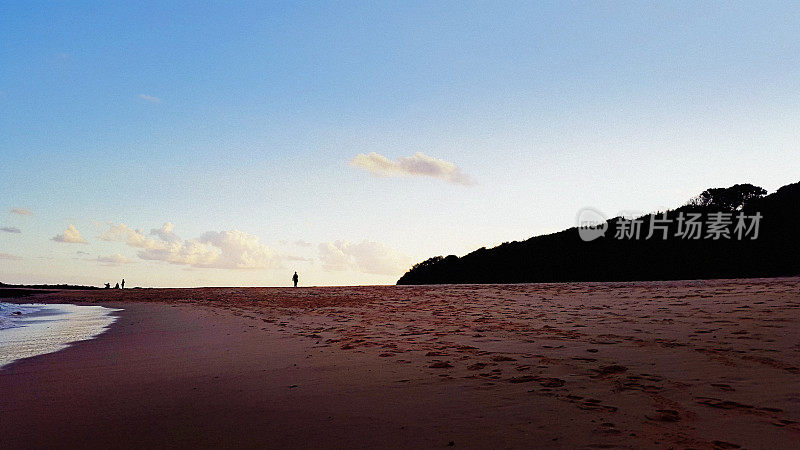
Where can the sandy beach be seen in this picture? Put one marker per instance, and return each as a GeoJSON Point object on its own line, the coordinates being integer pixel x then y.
{"type": "Point", "coordinates": [689, 364]}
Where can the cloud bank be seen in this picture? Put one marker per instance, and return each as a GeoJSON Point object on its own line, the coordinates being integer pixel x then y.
{"type": "Point", "coordinates": [10, 229]}
{"type": "Point", "coordinates": [368, 257]}
{"type": "Point", "coordinates": [21, 211]}
{"type": "Point", "coordinates": [124, 233]}
{"type": "Point", "coordinates": [70, 236]}
{"type": "Point", "coordinates": [232, 249]}
{"type": "Point", "coordinates": [419, 164]}
{"type": "Point", "coordinates": [10, 257]}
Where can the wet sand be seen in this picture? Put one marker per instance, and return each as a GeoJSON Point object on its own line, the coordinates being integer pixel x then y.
{"type": "Point", "coordinates": [692, 364]}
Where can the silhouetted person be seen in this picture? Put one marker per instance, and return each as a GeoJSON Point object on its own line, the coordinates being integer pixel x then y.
{"type": "Point", "coordinates": [123, 283]}
{"type": "Point", "coordinates": [295, 278]}
{"type": "Point", "coordinates": [117, 286]}
{"type": "Point", "coordinates": [108, 285]}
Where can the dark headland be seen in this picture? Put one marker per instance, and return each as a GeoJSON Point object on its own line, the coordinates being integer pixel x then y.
{"type": "Point", "coordinates": [564, 256]}
{"type": "Point", "coordinates": [25, 290]}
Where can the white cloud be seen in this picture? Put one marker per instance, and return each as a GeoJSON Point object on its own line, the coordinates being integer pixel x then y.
{"type": "Point", "coordinates": [21, 211]}
{"type": "Point", "coordinates": [10, 229]}
{"type": "Point", "coordinates": [134, 238]}
{"type": "Point", "coordinates": [302, 243]}
{"type": "Point", "coordinates": [10, 257]}
{"type": "Point", "coordinates": [189, 252]}
{"type": "Point", "coordinates": [114, 259]}
{"type": "Point", "coordinates": [334, 258]}
{"type": "Point", "coordinates": [239, 250]}
{"type": "Point", "coordinates": [165, 232]}
{"type": "Point", "coordinates": [368, 257]}
{"type": "Point", "coordinates": [70, 236]}
{"type": "Point", "coordinates": [232, 249]}
{"type": "Point", "coordinates": [149, 98]}
{"type": "Point", "coordinates": [419, 164]}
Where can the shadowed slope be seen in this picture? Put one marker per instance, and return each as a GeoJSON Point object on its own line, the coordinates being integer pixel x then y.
{"type": "Point", "coordinates": [564, 256]}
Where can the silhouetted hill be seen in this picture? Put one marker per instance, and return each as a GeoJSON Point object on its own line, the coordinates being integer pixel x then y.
{"type": "Point", "coordinates": [564, 256]}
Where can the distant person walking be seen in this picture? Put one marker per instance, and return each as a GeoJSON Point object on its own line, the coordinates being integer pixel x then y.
{"type": "Point", "coordinates": [295, 278]}
{"type": "Point", "coordinates": [123, 283]}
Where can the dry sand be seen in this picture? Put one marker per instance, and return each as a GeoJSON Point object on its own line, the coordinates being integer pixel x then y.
{"type": "Point", "coordinates": [691, 364]}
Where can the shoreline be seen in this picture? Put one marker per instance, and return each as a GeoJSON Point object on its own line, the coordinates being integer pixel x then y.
{"type": "Point", "coordinates": [646, 365]}
{"type": "Point", "coordinates": [120, 389]}
{"type": "Point", "coordinates": [34, 329]}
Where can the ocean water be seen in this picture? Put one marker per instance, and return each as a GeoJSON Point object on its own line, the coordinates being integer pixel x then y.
{"type": "Point", "coordinates": [36, 329]}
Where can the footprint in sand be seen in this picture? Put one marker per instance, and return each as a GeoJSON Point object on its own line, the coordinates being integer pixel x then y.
{"type": "Point", "coordinates": [543, 381]}
{"type": "Point", "coordinates": [594, 405]}
{"type": "Point", "coordinates": [722, 404]}
{"type": "Point", "coordinates": [724, 445]}
{"type": "Point", "coordinates": [665, 415]}
{"type": "Point", "coordinates": [604, 371]}
{"type": "Point", "coordinates": [783, 422]}
{"type": "Point", "coordinates": [441, 365]}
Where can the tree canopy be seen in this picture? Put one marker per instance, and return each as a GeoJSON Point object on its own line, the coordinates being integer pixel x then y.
{"type": "Point", "coordinates": [733, 198]}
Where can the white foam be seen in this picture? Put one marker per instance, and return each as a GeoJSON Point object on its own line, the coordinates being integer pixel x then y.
{"type": "Point", "coordinates": [10, 314]}
{"type": "Point", "coordinates": [36, 329]}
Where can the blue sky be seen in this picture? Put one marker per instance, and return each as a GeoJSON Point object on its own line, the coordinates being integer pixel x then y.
{"type": "Point", "coordinates": [247, 117]}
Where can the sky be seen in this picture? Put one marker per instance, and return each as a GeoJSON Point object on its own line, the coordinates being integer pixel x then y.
{"type": "Point", "coordinates": [233, 143]}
